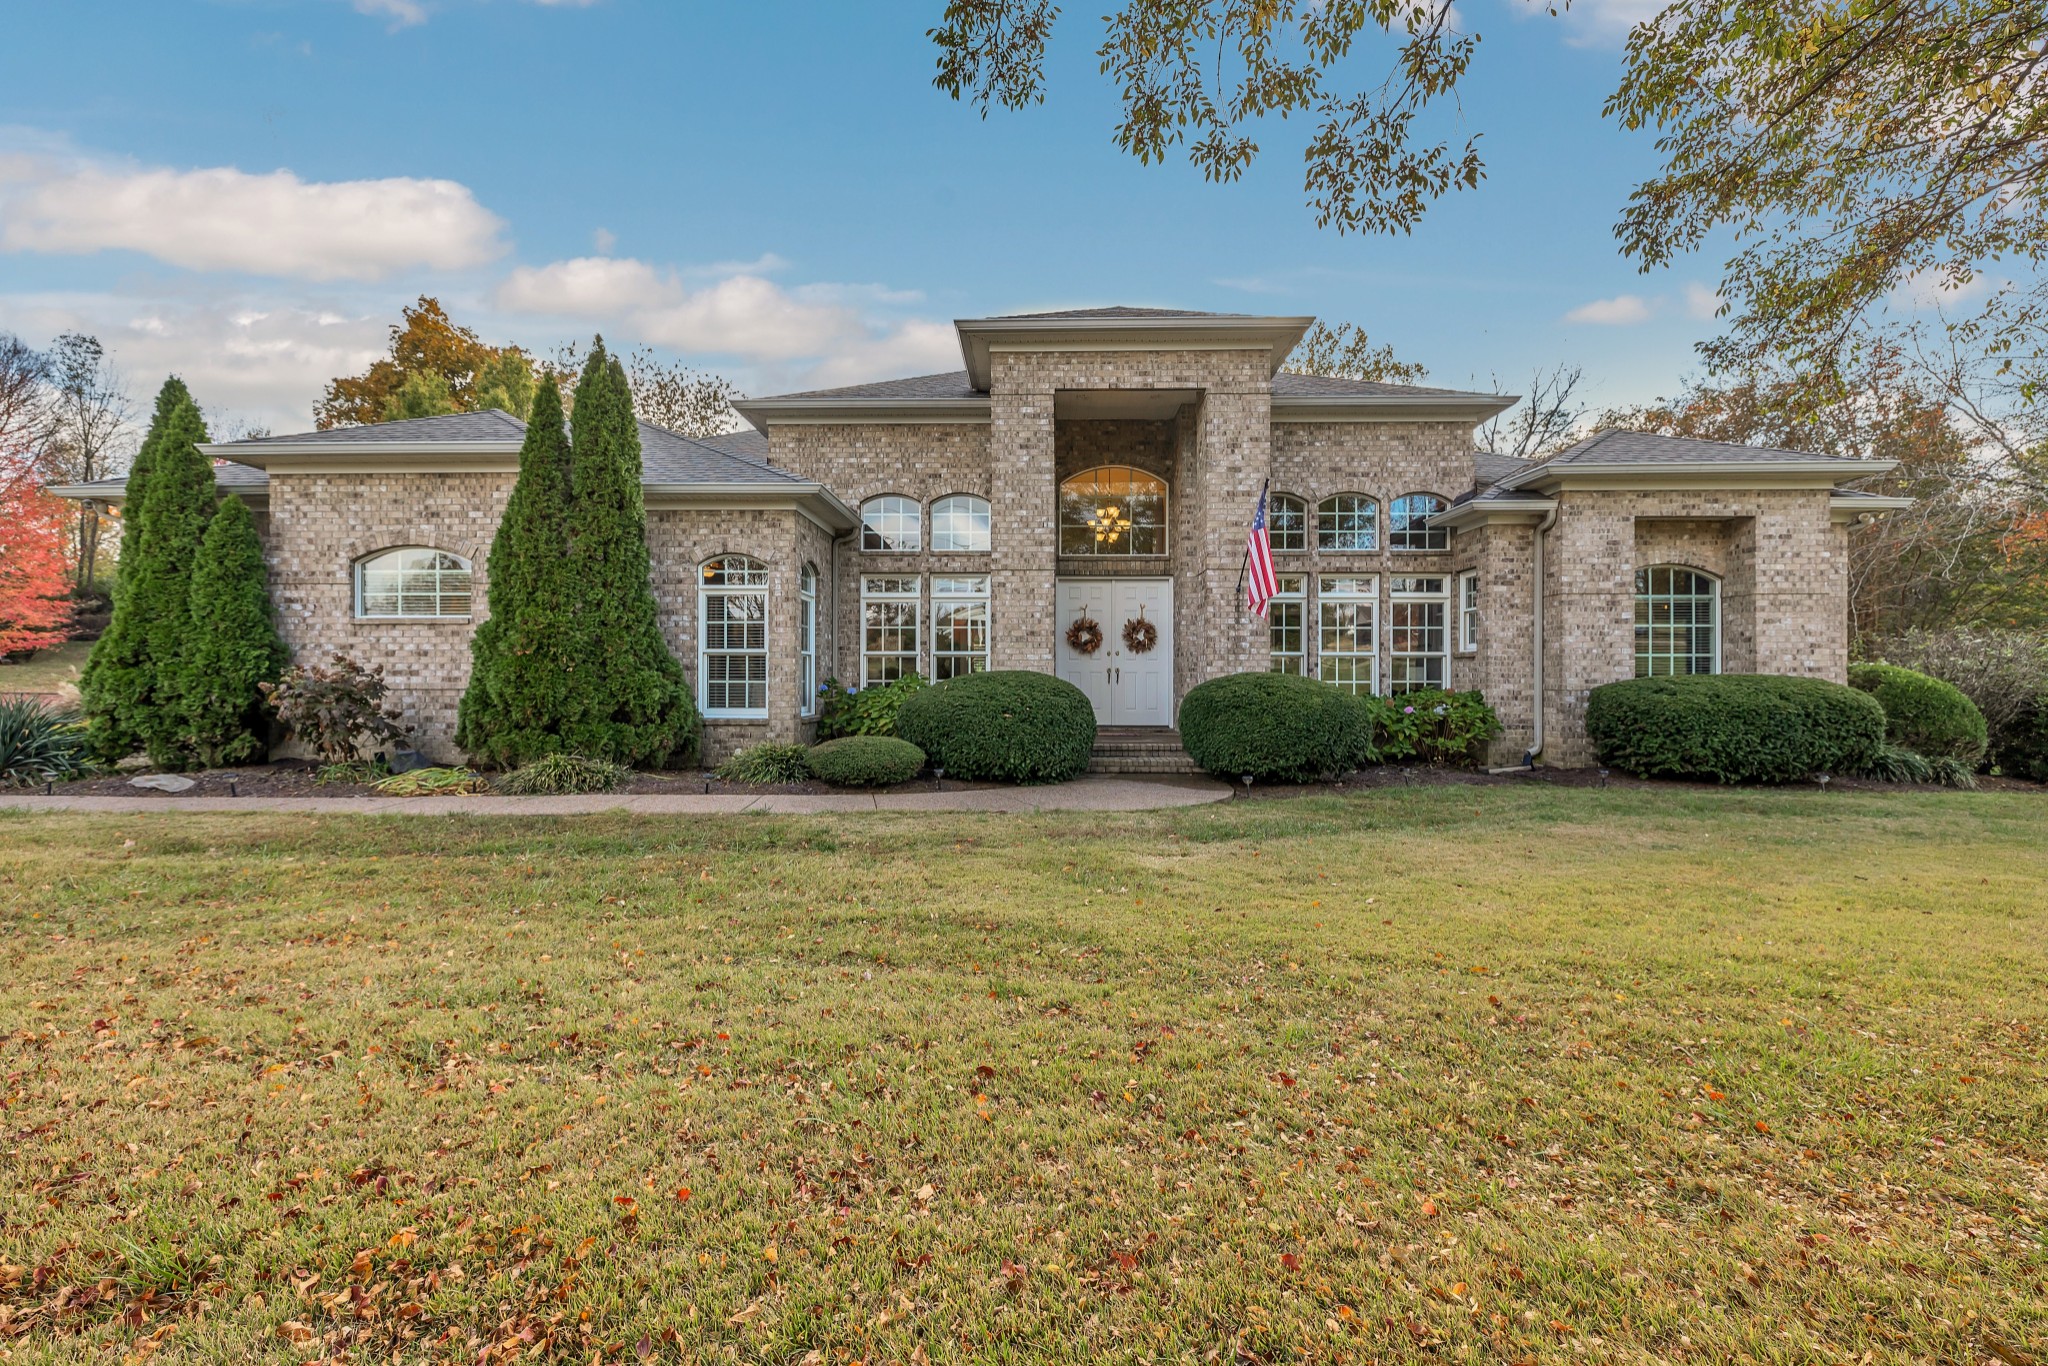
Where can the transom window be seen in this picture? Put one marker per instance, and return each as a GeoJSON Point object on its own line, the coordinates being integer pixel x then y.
{"type": "Point", "coordinates": [891, 524]}
{"type": "Point", "coordinates": [1678, 621]}
{"type": "Point", "coordinates": [960, 523]}
{"type": "Point", "coordinates": [413, 583]}
{"type": "Point", "coordinates": [1408, 520]}
{"type": "Point", "coordinates": [1348, 521]}
{"type": "Point", "coordinates": [807, 640]}
{"type": "Point", "coordinates": [1285, 628]}
{"type": "Point", "coordinates": [1418, 641]}
{"type": "Point", "coordinates": [889, 615]}
{"type": "Point", "coordinates": [1287, 523]}
{"type": "Point", "coordinates": [1347, 612]}
{"type": "Point", "coordinates": [959, 625]}
{"type": "Point", "coordinates": [1113, 510]}
{"type": "Point", "coordinates": [732, 637]}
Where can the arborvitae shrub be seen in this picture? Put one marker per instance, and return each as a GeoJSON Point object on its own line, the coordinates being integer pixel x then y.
{"type": "Point", "coordinates": [233, 648]}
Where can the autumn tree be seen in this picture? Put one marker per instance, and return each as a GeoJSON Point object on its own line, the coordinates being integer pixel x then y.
{"type": "Point", "coordinates": [88, 416]}
{"type": "Point", "coordinates": [35, 584]}
{"type": "Point", "coordinates": [1204, 74]}
{"type": "Point", "coordinates": [685, 400]}
{"type": "Point", "coordinates": [448, 368]}
{"type": "Point", "coordinates": [1345, 352]}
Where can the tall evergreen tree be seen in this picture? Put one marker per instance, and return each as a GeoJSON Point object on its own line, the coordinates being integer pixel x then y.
{"type": "Point", "coordinates": [632, 701]}
{"type": "Point", "coordinates": [521, 690]}
{"type": "Point", "coordinates": [117, 682]}
{"type": "Point", "coordinates": [232, 646]}
{"type": "Point", "coordinates": [181, 501]}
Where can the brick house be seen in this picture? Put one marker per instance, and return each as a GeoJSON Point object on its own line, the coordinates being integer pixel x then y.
{"type": "Point", "coordinates": [1104, 464]}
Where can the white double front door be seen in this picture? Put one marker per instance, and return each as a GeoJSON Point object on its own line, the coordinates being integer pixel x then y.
{"type": "Point", "coordinates": [1128, 687]}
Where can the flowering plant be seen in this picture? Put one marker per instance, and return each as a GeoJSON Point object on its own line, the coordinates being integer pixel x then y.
{"type": "Point", "coordinates": [1434, 727]}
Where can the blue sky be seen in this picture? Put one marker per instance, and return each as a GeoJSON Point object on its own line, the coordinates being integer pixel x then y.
{"type": "Point", "coordinates": [246, 192]}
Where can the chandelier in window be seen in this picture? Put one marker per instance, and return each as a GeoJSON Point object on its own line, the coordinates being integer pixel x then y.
{"type": "Point", "coordinates": [1110, 524]}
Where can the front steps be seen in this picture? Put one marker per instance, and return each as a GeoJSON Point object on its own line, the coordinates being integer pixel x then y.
{"type": "Point", "coordinates": [1134, 749]}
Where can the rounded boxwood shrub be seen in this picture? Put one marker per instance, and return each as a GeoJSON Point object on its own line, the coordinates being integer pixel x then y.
{"type": "Point", "coordinates": [1932, 718]}
{"type": "Point", "coordinates": [1007, 726]}
{"type": "Point", "coordinates": [866, 761]}
{"type": "Point", "coordinates": [1275, 727]}
{"type": "Point", "coordinates": [1734, 728]}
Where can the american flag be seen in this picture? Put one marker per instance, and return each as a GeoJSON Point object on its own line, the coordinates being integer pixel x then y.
{"type": "Point", "coordinates": [1261, 584]}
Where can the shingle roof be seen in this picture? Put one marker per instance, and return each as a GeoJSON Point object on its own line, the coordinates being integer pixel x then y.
{"type": "Point", "coordinates": [951, 384]}
{"type": "Point", "coordinates": [1489, 469]}
{"type": "Point", "coordinates": [1287, 384]}
{"type": "Point", "coordinates": [1616, 446]}
{"type": "Point", "coordinates": [747, 444]}
{"type": "Point", "coordinates": [489, 425]}
{"type": "Point", "coordinates": [1122, 311]}
{"type": "Point", "coordinates": [226, 475]}
{"type": "Point", "coordinates": [667, 457]}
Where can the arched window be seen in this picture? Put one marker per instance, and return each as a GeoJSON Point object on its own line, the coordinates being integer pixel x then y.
{"type": "Point", "coordinates": [1348, 521]}
{"type": "Point", "coordinates": [413, 583]}
{"type": "Point", "coordinates": [890, 523]}
{"type": "Point", "coordinates": [807, 641]}
{"type": "Point", "coordinates": [1409, 527]}
{"type": "Point", "coordinates": [732, 637]}
{"type": "Point", "coordinates": [1287, 523]}
{"type": "Point", "coordinates": [1113, 510]}
{"type": "Point", "coordinates": [960, 523]}
{"type": "Point", "coordinates": [1678, 621]}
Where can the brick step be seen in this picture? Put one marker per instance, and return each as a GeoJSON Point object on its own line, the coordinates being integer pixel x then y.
{"type": "Point", "coordinates": [1139, 751]}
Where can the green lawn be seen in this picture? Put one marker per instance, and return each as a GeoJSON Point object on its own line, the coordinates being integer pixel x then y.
{"type": "Point", "coordinates": [46, 670]}
{"type": "Point", "coordinates": [1488, 1075]}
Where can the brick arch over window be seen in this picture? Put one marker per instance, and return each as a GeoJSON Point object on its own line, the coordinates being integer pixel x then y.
{"type": "Point", "coordinates": [891, 523]}
{"type": "Point", "coordinates": [1677, 620]}
{"type": "Point", "coordinates": [960, 522]}
{"type": "Point", "coordinates": [1348, 522]}
{"type": "Point", "coordinates": [413, 582]}
{"type": "Point", "coordinates": [1113, 510]}
{"type": "Point", "coordinates": [1408, 523]}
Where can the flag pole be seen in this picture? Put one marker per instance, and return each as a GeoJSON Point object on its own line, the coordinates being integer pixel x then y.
{"type": "Point", "coordinates": [1264, 484]}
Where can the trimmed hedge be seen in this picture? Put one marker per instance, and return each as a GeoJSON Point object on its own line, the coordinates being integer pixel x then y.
{"type": "Point", "coordinates": [1734, 728]}
{"type": "Point", "coordinates": [1932, 718]}
{"type": "Point", "coordinates": [866, 761]}
{"type": "Point", "coordinates": [1275, 727]}
{"type": "Point", "coordinates": [1007, 726]}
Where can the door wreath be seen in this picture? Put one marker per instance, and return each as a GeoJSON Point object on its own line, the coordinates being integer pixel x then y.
{"type": "Point", "coordinates": [1084, 637]}
{"type": "Point", "coordinates": [1140, 635]}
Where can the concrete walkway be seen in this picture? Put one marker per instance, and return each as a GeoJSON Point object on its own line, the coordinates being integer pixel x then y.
{"type": "Point", "coordinates": [1092, 793]}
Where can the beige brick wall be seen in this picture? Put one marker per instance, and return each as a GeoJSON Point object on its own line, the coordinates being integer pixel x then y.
{"type": "Point", "coordinates": [1784, 603]}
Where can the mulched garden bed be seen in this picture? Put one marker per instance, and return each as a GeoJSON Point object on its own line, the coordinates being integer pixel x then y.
{"type": "Point", "coordinates": [297, 778]}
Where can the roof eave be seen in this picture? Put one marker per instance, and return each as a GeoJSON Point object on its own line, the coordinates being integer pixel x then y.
{"type": "Point", "coordinates": [1390, 407]}
{"type": "Point", "coordinates": [980, 337]}
{"type": "Point", "coordinates": [257, 453]}
{"type": "Point", "coordinates": [1799, 473]}
{"type": "Point", "coordinates": [813, 499]}
{"type": "Point", "coordinates": [1480, 512]}
{"type": "Point", "coordinates": [118, 493]}
{"type": "Point", "coordinates": [815, 411]}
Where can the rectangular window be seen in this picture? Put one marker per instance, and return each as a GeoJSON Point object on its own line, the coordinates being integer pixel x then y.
{"type": "Point", "coordinates": [889, 606]}
{"type": "Point", "coordinates": [807, 644]}
{"type": "Point", "coordinates": [736, 652]}
{"type": "Point", "coordinates": [1468, 610]}
{"type": "Point", "coordinates": [1285, 626]}
{"type": "Point", "coordinates": [959, 626]}
{"type": "Point", "coordinates": [1417, 639]}
{"type": "Point", "coordinates": [1347, 616]}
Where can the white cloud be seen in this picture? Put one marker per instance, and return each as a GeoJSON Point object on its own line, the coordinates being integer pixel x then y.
{"type": "Point", "coordinates": [401, 13]}
{"type": "Point", "coordinates": [1930, 290]}
{"type": "Point", "coordinates": [1595, 23]}
{"type": "Point", "coordinates": [828, 333]}
{"type": "Point", "coordinates": [1702, 302]}
{"type": "Point", "coordinates": [603, 240]}
{"type": "Point", "coordinates": [1623, 310]}
{"type": "Point", "coordinates": [220, 218]}
{"type": "Point", "coordinates": [258, 360]}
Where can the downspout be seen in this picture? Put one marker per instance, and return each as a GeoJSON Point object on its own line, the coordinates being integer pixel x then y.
{"type": "Point", "coordinates": [1536, 670]}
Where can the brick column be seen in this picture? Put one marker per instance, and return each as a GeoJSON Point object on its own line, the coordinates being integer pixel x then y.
{"type": "Point", "coordinates": [1023, 511]}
